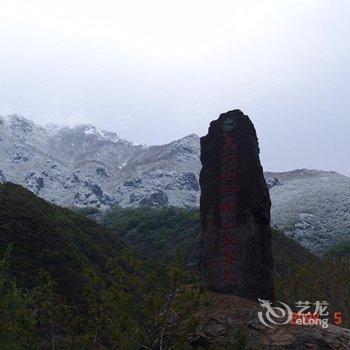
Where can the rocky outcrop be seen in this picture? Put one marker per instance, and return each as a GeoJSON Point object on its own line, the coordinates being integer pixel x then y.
{"type": "Point", "coordinates": [272, 181]}
{"type": "Point", "coordinates": [2, 177]}
{"type": "Point", "coordinates": [236, 255]}
{"type": "Point", "coordinates": [155, 199]}
{"type": "Point", "coordinates": [232, 320]}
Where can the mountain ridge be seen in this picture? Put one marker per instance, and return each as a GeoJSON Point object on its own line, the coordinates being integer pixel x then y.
{"type": "Point", "coordinates": [83, 166]}
{"type": "Point", "coordinates": [86, 166]}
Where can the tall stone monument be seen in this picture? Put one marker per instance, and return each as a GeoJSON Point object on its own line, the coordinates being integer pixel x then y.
{"type": "Point", "coordinates": [236, 255]}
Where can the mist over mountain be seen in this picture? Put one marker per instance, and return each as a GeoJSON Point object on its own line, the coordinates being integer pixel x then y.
{"type": "Point", "coordinates": [84, 166]}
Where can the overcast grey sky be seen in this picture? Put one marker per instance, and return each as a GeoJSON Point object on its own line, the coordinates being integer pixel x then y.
{"type": "Point", "coordinates": [155, 71]}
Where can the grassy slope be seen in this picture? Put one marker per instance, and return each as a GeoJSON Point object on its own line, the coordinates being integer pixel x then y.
{"type": "Point", "coordinates": [48, 237]}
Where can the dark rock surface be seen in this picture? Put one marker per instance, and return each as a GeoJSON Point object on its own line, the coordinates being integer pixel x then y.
{"type": "Point", "coordinates": [2, 177]}
{"type": "Point", "coordinates": [272, 181]}
{"type": "Point", "coordinates": [155, 199]}
{"type": "Point", "coordinates": [236, 255]}
{"type": "Point", "coordinates": [230, 319]}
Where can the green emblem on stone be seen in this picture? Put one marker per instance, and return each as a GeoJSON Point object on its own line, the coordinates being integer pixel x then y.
{"type": "Point", "coordinates": [228, 124]}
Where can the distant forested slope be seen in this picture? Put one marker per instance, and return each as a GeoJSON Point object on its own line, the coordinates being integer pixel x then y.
{"type": "Point", "coordinates": [160, 233]}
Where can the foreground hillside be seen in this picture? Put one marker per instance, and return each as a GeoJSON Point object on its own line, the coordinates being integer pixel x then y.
{"type": "Point", "coordinates": [68, 283]}
{"type": "Point", "coordinates": [232, 323]}
{"type": "Point", "coordinates": [44, 236]}
{"type": "Point", "coordinates": [299, 275]}
{"type": "Point", "coordinates": [84, 289]}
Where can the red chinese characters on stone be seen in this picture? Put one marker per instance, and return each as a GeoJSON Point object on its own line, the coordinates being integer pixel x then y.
{"type": "Point", "coordinates": [227, 191]}
{"type": "Point", "coordinates": [228, 278]}
{"type": "Point", "coordinates": [228, 258]}
{"type": "Point", "coordinates": [228, 210]}
{"type": "Point", "coordinates": [227, 207]}
{"type": "Point", "coordinates": [229, 146]}
{"type": "Point", "coordinates": [228, 161]}
{"type": "Point", "coordinates": [228, 174]}
{"type": "Point", "coordinates": [228, 238]}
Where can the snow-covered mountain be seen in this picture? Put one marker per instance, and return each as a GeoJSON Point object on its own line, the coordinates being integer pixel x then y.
{"type": "Point", "coordinates": [311, 206]}
{"type": "Point", "coordinates": [84, 166]}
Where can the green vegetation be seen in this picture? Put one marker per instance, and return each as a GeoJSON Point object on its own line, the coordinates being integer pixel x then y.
{"type": "Point", "coordinates": [160, 233]}
{"type": "Point", "coordinates": [325, 279]}
{"type": "Point", "coordinates": [67, 283]}
{"type": "Point", "coordinates": [299, 274]}
{"type": "Point", "coordinates": [340, 249]}
{"type": "Point", "coordinates": [17, 319]}
{"type": "Point", "coordinates": [130, 312]}
{"type": "Point", "coordinates": [62, 242]}
{"type": "Point", "coordinates": [319, 279]}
